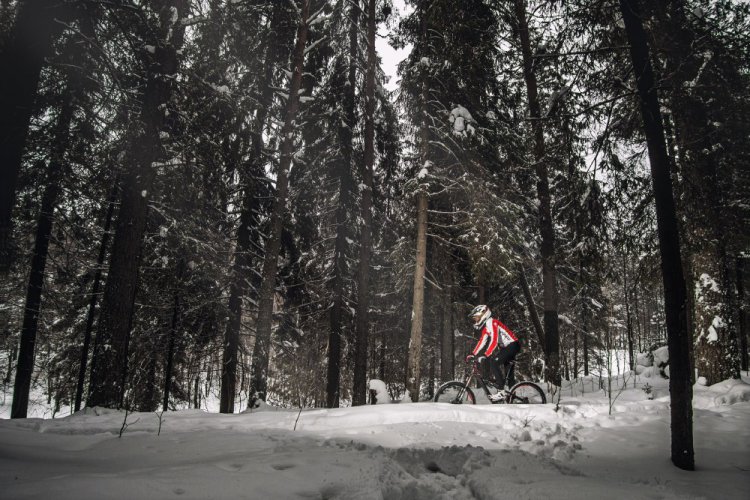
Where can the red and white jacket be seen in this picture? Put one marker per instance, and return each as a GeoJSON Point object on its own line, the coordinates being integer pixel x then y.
{"type": "Point", "coordinates": [494, 333]}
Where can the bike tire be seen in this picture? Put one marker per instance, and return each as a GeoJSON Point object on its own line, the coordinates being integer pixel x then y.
{"type": "Point", "coordinates": [455, 393]}
{"type": "Point", "coordinates": [526, 393]}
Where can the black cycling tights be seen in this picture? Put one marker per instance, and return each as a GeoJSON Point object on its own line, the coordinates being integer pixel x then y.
{"type": "Point", "coordinates": [503, 359]}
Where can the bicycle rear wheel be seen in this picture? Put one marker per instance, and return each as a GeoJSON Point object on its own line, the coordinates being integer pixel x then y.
{"type": "Point", "coordinates": [454, 393]}
{"type": "Point", "coordinates": [526, 393]}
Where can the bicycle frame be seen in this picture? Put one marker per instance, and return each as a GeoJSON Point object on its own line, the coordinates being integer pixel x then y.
{"type": "Point", "coordinates": [476, 373]}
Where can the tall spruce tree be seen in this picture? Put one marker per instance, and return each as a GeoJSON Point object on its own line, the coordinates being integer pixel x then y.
{"type": "Point", "coordinates": [161, 60]}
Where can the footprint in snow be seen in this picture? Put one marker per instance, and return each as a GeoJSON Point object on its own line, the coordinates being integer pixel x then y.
{"type": "Point", "coordinates": [231, 467]}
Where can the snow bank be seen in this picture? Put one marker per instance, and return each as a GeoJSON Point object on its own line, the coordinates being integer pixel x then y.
{"type": "Point", "coordinates": [728, 392]}
{"type": "Point", "coordinates": [395, 451]}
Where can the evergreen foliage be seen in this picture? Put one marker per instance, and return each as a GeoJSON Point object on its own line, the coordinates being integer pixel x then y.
{"type": "Point", "coordinates": [213, 200]}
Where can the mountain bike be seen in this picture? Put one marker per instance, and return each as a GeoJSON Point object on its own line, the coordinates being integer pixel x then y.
{"type": "Point", "coordinates": [457, 392]}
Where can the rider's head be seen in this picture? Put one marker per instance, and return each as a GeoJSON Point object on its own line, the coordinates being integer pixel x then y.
{"type": "Point", "coordinates": [479, 316]}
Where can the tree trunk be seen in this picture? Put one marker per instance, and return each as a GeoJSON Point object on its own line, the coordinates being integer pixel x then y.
{"type": "Point", "coordinates": [172, 337]}
{"type": "Point", "coordinates": [707, 238]}
{"type": "Point", "coordinates": [264, 324]}
{"type": "Point", "coordinates": [546, 228]}
{"type": "Point", "coordinates": [639, 330]}
{"type": "Point", "coordinates": [21, 61]}
{"type": "Point", "coordinates": [111, 201]}
{"type": "Point", "coordinates": [447, 344]}
{"type": "Point", "coordinates": [628, 316]}
{"type": "Point", "coordinates": [417, 314]}
{"type": "Point", "coordinates": [359, 391]}
{"type": "Point", "coordinates": [531, 305]}
{"type": "Point", "coordinates": [585, 336]}
{"type": "Point", "coordinates": [343, 209]}
{"type": "Point", "coordinates": [196, 393]}
{"type": "Point", "coordinates": [575, 354]}
{"type": "Point", "coordinates": [246, 232]}
{"type": "Point", "coordinates": [740, 269]}
{"type": "Point", "coordinates": [107, 384]}
{"type": "Point", "coordinates": [678, 338]}
{"type": "Point", "coordinates": [25, 365]}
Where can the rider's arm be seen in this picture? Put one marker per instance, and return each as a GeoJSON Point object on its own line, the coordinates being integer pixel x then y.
{"type": "Point", "coordinates": [493, 337]}
{"type": "Point", "coordinates": [483, 340]}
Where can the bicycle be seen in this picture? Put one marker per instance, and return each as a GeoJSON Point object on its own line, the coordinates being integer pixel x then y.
{"type": "Point", "coordinates": [457, 392]}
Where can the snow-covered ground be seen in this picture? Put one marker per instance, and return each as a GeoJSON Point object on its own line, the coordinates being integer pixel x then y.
{"type": "Point", "coordinates": [391, 451]}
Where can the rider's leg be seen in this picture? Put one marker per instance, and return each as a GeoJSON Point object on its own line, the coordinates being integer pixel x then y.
{"type": "Point", "coordinates": [504, 357]}
{"type": "Point", "coordinates": [497, 373]}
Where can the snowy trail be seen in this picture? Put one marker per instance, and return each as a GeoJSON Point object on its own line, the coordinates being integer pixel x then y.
{"type": "Point", "coordinates": [405, 451]}
{"type": "Point", "coordinates": [140, 466]}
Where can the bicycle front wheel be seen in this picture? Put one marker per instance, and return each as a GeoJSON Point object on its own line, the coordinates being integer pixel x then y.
{"type": "Point", "coordinates": [526, 393]}
{"type": "Point", "coordinates": [455, 393]}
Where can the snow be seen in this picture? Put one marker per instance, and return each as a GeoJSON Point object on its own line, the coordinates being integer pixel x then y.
{"type": "Point", "coordinates": [461, 119]}
{"type": "Point", "coordinates": [707, 282]}
{"type": "Point", "coordinates": [415, 451]}
{"type": "Point", "coordinates": [425, 170]}
{"type": "Point", "coordinates": [644, 359]}
{"type": "Point", "coordinates": [221, 89]}
{"type": "Point", "coordinates": [381, 391]}
{"type": "Point", "coordinates": [661, 356]}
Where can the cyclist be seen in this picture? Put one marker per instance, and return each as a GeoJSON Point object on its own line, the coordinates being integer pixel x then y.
{"type": "Point", "coordinates": [494, 334]}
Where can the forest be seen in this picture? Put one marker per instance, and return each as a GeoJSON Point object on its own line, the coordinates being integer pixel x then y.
{"type": "Point", "coordinates": [210, 200]}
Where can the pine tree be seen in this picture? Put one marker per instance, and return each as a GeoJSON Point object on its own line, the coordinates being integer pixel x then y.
{"type": "Point", "coordinates": [22, 57]}
{"type": "Point", "coordinates": [675, 299]}
{"type": "Point", "coordinates": [162, 63]}
{"type": "Point", "coordinates": [264, 323]}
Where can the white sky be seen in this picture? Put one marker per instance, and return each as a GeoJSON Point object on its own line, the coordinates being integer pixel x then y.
{"type": "Point", "coordinates": [390, 56]}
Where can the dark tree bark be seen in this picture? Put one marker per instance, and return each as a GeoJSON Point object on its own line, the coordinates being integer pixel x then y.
{"type": "Point", "coordinates": [359, 391]}
{"type": "Point", "coordinates": [675, 300]}
{"type": "Point", "coordinates": [413, 376]}
{"type": "Point", "coordinates": [264, 324]}
{"type": "Point", "coordinates": [531, 306]}
{"type": "Point", "coordinates": [413, 366]}
{"type": "Point", "coordinates": [21, 61]}
{"type": "Point", "coordinates": [107, 384]}
{"type": "Point", "coordinates": [25, 365]}
{"type": "Point", "coordinates": [546, 228]}
{"type": "Point", "coordinates": [247, 232]}
{"type": "Point", "coordinates": [447, 340]}
{"type": "Point", "coordinates": [346, 183]}
{"type": "Point", "coordinates": [743, 313]}
{"type": "Point", "coordinates": [628, 316]}
{"type": "Point", "coordinates": [707, 241]}
{"type": "Point", "coordinates": [172, 338]}
{"type": "Point", "coordinates": [111, 202]}
{"type": "Point", "coordinates": [575, 354]}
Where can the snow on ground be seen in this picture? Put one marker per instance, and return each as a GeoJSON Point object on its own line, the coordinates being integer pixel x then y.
{"type": "Point", "coordinates": [391, 451]}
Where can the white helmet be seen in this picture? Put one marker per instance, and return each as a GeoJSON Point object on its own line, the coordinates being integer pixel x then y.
{"type": "Point", "coordinates": [479, 315]}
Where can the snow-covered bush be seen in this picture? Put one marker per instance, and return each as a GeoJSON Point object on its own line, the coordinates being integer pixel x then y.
{"type": "Point", "coordinates": [653, 362]}
{"type": "Point", "coordinates": [379, 392]}
{"type": "Point", "coordinates": [644, 359]}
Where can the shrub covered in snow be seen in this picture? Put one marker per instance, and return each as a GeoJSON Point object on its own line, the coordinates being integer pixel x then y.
{"type": "Point", "coordinates": [379, 392]}
{"type": "Point", "coordinates": [653, 362]}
